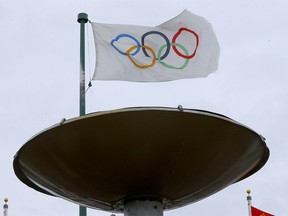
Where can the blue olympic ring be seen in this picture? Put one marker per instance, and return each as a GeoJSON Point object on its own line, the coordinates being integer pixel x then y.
{"type": "Point", "coordinates": [129, 36]}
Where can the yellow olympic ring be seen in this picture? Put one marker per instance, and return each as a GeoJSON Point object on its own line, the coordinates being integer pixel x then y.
{"type": "Point", "coordinates": [142, 66]}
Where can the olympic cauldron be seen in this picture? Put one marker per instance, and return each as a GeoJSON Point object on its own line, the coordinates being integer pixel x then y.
{"type": "Point", "coordinates": [136, 158]}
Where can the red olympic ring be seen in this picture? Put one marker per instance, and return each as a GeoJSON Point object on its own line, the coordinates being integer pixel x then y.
{"type": "Point", "coordinates": [174, 42]}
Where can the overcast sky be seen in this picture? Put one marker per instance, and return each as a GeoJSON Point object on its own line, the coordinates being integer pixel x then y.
{"type": "Point", "coordinates": [40, 85]}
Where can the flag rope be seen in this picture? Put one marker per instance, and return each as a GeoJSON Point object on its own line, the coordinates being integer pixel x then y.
{"type": "Point", "coordinates": [89, 57]}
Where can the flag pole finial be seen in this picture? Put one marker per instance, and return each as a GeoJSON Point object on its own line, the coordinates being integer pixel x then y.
{"type": "Point", "coordinates": [249, 198]}
{"type": "Point", "coordinates": [82, 17]}
{"type": "Point", "coordinates": [6, 200]}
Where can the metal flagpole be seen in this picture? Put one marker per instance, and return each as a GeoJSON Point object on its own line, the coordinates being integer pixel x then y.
{"type": "Point", "coordinates": [82, 19]}
{"type": "Point", "coordinates": [249, 199]}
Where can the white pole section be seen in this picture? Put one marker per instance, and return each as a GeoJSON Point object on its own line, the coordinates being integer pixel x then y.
{"type": "Point", "coordinates": [249, 199]}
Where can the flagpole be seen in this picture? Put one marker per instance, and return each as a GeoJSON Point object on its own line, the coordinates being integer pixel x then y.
{"type": "Point", "coordinates": [249, 199]}
{"type": "Point", "coordinates": [82, 19]}
{"type": "Point", "coordinates": [5, 207]}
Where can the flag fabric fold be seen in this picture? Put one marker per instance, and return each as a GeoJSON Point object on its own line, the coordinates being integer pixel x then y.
{"type": "Point", "coordinates": [258, 212]}
{"type": "Point", "coordinates": [183, 47]}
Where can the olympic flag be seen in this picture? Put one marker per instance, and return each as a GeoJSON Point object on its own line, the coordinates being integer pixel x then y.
{"type": "Point", "coordinates": [183, 47]}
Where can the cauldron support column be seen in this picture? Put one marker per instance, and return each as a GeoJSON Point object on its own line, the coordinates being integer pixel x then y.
{"type": "Point", "coordinates": [143, 208]}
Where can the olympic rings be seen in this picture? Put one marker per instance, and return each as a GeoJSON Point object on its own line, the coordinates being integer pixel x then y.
{"type": "Point", "coordinates": [165, 38]}
{"type": "Point", "coordinates": [142, 66]}
{"type": "Point", "coordinates": [160, 57]}
{"type": "Point", "coordinates": [170, 66]}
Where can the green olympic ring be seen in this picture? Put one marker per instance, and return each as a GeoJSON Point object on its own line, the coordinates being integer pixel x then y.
{"type": "Point", "coordinates": [170, 66]}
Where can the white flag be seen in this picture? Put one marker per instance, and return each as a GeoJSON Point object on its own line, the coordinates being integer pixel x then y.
{"type": "Point", "coordinates": [183, 47]}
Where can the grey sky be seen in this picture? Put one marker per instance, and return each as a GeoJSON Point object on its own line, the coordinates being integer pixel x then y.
{"type": "Point", "coordinates": [40, 75]}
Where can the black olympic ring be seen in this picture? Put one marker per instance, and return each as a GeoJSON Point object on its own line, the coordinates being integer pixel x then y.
{"type": "Point", "coordinates": [165, 38]}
